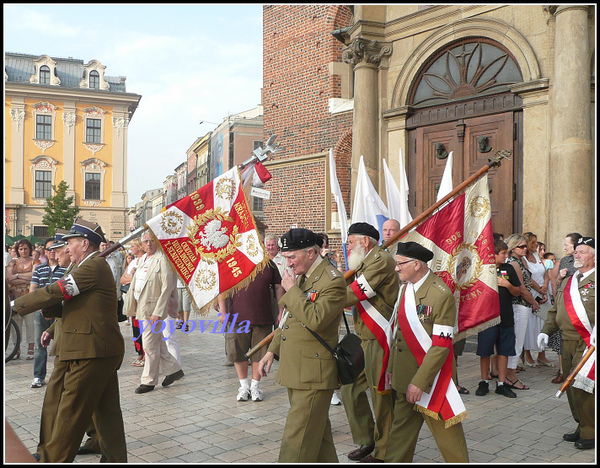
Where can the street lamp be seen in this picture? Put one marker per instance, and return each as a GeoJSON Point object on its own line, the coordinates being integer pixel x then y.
{"type": "Point", "coordinates": [206, 121]}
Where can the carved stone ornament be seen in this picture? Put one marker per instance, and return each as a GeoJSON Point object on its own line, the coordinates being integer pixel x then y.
{"type": "Point", "coordinates": [69, 119]}
{"type": "Point", "coordinates": [366, 50]}
{"type": "Point", "coordinates": [17, 116]}
{"type": "Point", "coordinates": [43, 144]}
{"type": "Point", "coordinates": [93, 147]}
{"type": "Point", "coordinates": [483, 147]}
{"type": "Point", "coordinates": [94, 112]}
{"type": "Point", "coordinates": [120, 123]}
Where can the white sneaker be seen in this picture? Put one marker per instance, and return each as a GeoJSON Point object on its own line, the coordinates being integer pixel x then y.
{"type": "Point", "coordinates": [335, 401]}
{"type": "Point", "coordinates": [257, 394]}
{"type": "Point", "coordinates": [243, 394]}
{"type": "Point", "coordinates": [37, 382]}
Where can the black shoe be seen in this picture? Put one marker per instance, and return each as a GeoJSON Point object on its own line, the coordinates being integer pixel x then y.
{"type": "Point", "coordinates": [585, 444]}
{"type": "Point", "coordinates": [483, 388]}
{"type": "Point", "coordinates": [572, 437]}
{"type": "Point", "coordinates": [506, 391]}
{"type": "Point", "coordinates": [169, 379]}
{"type": "Point", "coordinates": [36, 456]}
{"type": "Point", "coordinates": [144, 388]}
{"type": "Point", "coordinates": [361, 452]}
{"type": "Point", "coordinates": [83, 450]}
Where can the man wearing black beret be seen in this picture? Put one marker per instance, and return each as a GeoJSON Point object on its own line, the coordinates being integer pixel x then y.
{"type": "Point", "coordinates": [372, 290]}
{"type": "Point", "coordinates": [575, 314]}
{"type": "Point", "coordinates": [425, 314]}
{"type": "Point", "coordinates": [314, 298]}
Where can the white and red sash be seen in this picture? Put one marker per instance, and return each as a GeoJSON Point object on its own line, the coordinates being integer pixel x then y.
{"type": "Point", "coordinates": [443, 400]}
{"type": "Point", "coordinates": [375, 322]}
{"type": "Point", "coordinates": [585, 379]}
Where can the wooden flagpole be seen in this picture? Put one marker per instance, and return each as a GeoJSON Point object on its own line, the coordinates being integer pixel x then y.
{"type": "Point", "coordinates": [493, 162]}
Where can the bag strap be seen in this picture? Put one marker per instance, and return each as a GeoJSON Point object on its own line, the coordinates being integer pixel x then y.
{"type": "Point", "coordinates": [322, 341]}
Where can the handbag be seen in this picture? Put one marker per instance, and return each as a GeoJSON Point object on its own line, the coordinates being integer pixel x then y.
{"type": "Point", "coordinates": [125, 288]}
{"type": "Point", "coordinates": [348, 354]}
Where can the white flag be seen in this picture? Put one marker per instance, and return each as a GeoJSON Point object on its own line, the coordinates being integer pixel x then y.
{"type": "Point", "coordinates": [336, 191]}
{"type": "Point", "coordinates": [446, 183]}
{"type": "Point", "coordinates": [368, 206]}
{"type": "Point", "coordinates": [397, 198]}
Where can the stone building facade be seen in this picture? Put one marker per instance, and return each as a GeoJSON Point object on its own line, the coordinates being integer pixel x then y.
{"type": "Point", "coordinates": [65, 120]}
{"type": "Point", "coordinates": [471, 79]}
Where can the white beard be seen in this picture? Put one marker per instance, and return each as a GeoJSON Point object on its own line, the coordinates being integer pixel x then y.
{"type": "Point", "coordinates": [356, 257]}
{"type": "Point", "coordinates": [577, 264]}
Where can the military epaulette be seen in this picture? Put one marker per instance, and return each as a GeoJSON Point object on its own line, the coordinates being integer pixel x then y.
{"type": "Point", "coordinates": [334, 273]}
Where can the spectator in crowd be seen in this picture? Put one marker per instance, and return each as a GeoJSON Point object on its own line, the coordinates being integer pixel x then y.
{"type": "Point", "coordinates": [373, 287]}
{"type": "Point", "coordinates": [501, 337]}
{"type": "Point", "coordinates": [539, 290]}
{"type": "Point", "coordinates": [19, 273]}
{"type": "Point", "coordinates": [7, 256]}
{"type": "Point", "coordinates": [498, 236]}
{"type": "Point", "coordinates": [388, 230]}
{"type": "Point", "coordinates": [184, 305]}
{"type": "Point", "coordinates": [272, 246]}
{"type": "Point", "coordinates": [314, 299]}
{"type": "Point", "coordinates": [92, 350]}
{"type": "Point", "coordinates": [115, 261]}
{"type": "Point", "coordinates": [151, 297]}
{"type": "Point", "coordinates": [523, 305]}
{"type": "Point", "coordinates": [254, 305]}
{"type": "Point", "coordinates": [555, 340]}
{"type": "Point", "coordinates": [331, 255]}
{"type": "Point", "coordinates": [575, 314]}
{"type": "Point", "coordinates": [44, 274]}
{"type": "Point", "coordinates": [137, 251]}
{"type": "Point", "coordinates": [429, 305]}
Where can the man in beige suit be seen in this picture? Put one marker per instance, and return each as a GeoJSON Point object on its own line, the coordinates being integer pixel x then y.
{"type": "Point", "coordinates": [152, 295]}
{"type": "Point", "coordinates": [91, 350]}
{"type": "Point", "coordinates": [315, 300]}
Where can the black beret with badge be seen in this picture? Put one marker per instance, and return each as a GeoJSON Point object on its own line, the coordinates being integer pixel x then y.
{"type": "Point", "coordinates": [587, 241]}
{"type": "Point", "coordinates": [299, 238]}
{"type": "Point", "coordinates": [364, 229]}
{"type": "Point", "coordinates": [414, 250]}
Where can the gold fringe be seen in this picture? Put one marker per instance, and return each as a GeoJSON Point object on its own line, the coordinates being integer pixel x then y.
{"type": "Point", "coordinates": [477, 329]}
{"type": "Point", "coordinates": [456, 419]}
{"type": "Point", "coordinates": [426, 411]}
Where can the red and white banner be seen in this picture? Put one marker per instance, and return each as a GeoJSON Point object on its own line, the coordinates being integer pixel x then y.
{"type": "Point", "coordinates": [461, 238]}
{"type": "Point", "coordinates": [443, 400]}
{"type": "Point", "coordinates": [375, 322]}
{"type": "Point", "coordinates": [210, 238]}
{"type": "Point", "coordinates": [585, 379]}
{"type": "Point", "coordinates": [259, 174]}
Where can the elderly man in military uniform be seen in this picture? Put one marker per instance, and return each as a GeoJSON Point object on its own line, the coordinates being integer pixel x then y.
{"type": "Point", "coordinates": [91, 349]}
{"type": "Point", "coordinates": [314, 299]}
{"type": "Point", "coordinates": [574, 314]}
{"type": "Point", "coordinates": [373, 291]}
{"type": "Point", "coordinates": [422, 362]}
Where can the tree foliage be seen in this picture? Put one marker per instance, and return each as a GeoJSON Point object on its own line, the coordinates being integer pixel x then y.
{"type": "Point", "coordinates": [60, 209]}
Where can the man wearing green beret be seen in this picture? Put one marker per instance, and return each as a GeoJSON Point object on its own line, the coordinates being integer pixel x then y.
{"type": "Point", "coordinates": [314, 298]}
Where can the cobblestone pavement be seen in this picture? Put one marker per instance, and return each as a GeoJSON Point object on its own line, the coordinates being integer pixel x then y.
{"type": "Point", "coordinates": [197, 419]}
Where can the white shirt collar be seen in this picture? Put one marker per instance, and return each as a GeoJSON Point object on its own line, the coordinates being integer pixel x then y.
{"type": "Point", "coordinates": [419, 283]}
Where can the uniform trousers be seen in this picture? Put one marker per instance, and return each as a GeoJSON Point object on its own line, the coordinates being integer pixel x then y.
{"type": "Point", "coordinates": [307, 436]}
{"type": "Point", "coordinates": [90, 391]}
{"type": "Point", "coordinates": [54, 389]}
{"type": "Point", "coordinates": [40, 353]}
{"type": "Point", "coordinates": [582, 404]}
{"type": "Point", "coordinates": [405, 430]}
{"type": "Point", "coordinates": [157, 357]}
{"type": "Point", "coordinates": [382, 402]}
{"type": "Point", "coordinates": [358, 411]}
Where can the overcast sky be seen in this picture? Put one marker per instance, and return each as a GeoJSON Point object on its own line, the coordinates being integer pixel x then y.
{"type": "Point", "coordinates": [188, 62]}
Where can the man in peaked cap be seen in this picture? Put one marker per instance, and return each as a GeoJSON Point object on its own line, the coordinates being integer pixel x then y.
{"type": "Point", "coordinates": [314, 298]}
{"type": "Point", "coordinates": [373, 290]}
{"type": "Point", "coordinates": [574, 313]}
{"type": "Point", "coordinates": [425, 305]}
{"type": "Point", "coordinates": [91, 349]}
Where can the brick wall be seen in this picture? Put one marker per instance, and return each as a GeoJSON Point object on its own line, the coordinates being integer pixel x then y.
{"type": "Point", "coordinates": [297, 49]}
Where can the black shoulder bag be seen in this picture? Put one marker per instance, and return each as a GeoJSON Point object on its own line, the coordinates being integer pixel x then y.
{"type": "Point", "coordinates": [348, 355]}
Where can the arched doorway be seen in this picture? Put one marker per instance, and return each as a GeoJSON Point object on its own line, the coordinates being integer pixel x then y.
{"type": "Point", "coordinates": [460, 101]}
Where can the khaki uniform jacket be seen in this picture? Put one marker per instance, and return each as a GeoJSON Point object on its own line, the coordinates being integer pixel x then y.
{"type": "Point", "coordinates": [89, 327]}
{"type": "Point", "coordinates": [558, 316]}
{"type": "Point", "coordinates": [158, 290]}
{"type": "Point", "coordinates": [304, 363]}
{"type": "Point", "coordinates": [378, 269]}
{"type": "Point", "coordinates": [405, 370]}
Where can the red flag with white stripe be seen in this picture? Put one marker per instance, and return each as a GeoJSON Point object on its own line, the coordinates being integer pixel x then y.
{"type": "Point", "coordinates": [210, 238]}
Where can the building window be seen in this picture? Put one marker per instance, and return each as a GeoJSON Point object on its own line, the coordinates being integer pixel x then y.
{"type": "Point", "coordinates": [92, 186]}
{"type": "Point", "coordinates": [45, 75]}
{"type": "Point", "coordinates": [93, 131]}
{"type": "Point", "coordinates": [94, 80]}
{"type": "Point", "coordinates": [41, 231]}
{"type": "Point", "coordinates": [257, 204]}
{"type": "Point", "coordinates": [43, 127]}
{"type": "Point", "coordinates": [43, 184]}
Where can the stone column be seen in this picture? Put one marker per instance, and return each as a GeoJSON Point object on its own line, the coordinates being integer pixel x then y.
{"type": "Point", "coordinates": [365, 56]}
{"type": "Point", "coordinates": [17, 115]}
{"type": "Point", "coordinates": [571, 168]}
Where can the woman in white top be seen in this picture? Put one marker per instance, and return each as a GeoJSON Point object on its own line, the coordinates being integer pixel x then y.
{"type": "Point", "coordinates": [138, 251]}
{"type": "Point", "coordinates": [540, 279]}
